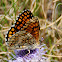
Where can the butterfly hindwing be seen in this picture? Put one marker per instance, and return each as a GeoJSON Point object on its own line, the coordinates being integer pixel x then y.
{"type": "Point", "coordinates": [21, 38]}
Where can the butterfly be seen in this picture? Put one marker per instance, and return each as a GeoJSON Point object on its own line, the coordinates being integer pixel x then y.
{"type": "Point", "coordinates": [24, 34]}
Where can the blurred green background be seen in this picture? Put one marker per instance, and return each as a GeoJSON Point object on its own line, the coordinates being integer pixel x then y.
{"type": "Point", "coordinates": [49, 13]}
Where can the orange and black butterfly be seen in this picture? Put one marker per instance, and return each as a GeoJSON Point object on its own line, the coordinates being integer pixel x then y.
{"type": "Point", "coordinates": [25, 32]}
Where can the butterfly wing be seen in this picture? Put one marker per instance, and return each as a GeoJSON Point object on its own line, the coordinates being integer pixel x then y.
{"type": "Point", "coordinates": [33, 27]}
{"type": "Point", "coordinates": [20, 22]}
{"type": "Point", "coordinates": [25, 32]}
{"type": "Point", "coordinates": [28, 36]}
{"type": "Point", "coordinates": [21, 40]}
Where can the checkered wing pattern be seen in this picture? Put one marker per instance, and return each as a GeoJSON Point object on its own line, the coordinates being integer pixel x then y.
{"type": "Point", "coordinates": [20, 22]}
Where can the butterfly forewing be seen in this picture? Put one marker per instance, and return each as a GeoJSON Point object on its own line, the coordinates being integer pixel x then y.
{"type": "Point", "coordinates": [22, 19]}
